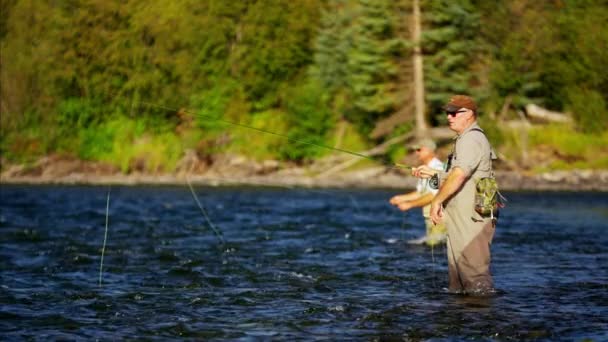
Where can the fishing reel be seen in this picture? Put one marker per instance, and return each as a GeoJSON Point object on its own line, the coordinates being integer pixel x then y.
{"type": "Point", "coordinates": [434, 182]}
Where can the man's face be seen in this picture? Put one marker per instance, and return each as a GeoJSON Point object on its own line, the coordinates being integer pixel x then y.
{"type": "Point", "coordinates": [422, 153]}
{"type": "Point", "coordinates": [459, 120]}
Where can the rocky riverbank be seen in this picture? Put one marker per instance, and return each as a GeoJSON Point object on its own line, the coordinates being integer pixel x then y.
{"type": "Point", "coordinates": [240, 171]}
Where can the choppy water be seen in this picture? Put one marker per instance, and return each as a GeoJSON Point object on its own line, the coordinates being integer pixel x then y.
{"type": "Point", "coordinates": [297, 265]}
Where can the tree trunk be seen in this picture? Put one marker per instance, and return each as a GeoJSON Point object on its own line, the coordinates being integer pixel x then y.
{"type": "Point", "coordinates": [421, 126]}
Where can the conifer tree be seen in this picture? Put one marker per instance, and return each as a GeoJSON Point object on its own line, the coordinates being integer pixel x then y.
{"type": "Point", "coordinates": [372, 62]}
{"type": "Point", "coordinates": [449, 44]}
{"type": "Point", "coordinates": [332, 46]}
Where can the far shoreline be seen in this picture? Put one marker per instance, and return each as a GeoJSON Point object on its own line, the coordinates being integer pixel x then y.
{"type": "Point", "coordinates": [371, 178]}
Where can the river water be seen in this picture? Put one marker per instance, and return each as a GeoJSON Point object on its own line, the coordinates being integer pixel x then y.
{"type": "Point", "coordinates": [288, 264]}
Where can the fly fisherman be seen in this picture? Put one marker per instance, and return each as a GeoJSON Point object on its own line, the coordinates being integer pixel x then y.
{"type": "Point", "coordinates": [422, 196]}
{"type": "Point", "coordinates": [470, 228]}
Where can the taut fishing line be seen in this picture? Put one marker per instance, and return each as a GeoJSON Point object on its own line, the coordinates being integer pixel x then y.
{"type": "Point", "coordinates": [200, 206]}
{"type": "Point", "coordinates": [105, 237]}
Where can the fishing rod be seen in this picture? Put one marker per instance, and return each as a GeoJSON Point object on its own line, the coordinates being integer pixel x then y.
{"type": "Point", "coordinates": [300, 141]}
{"type": "Point", "coordinates": [433, 180]}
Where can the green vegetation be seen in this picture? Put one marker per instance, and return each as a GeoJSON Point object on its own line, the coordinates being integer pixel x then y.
{"type": "Point", "coordinates": [137, 83]}
{"type": "Point", "coordinates": [574, 150]}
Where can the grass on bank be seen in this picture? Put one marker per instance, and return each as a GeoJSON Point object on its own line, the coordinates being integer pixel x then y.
{"type": "Point", "coordinates": [554, 147]}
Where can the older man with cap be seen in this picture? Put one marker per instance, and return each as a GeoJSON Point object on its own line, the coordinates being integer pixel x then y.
{"type": "Point", "coordinates": [469, 233]}
{"type": "Point", "coordinates": [422, 197]}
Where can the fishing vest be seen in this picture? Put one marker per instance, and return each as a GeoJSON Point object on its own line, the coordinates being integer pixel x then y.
{"type": "Point", "coordinates": [487, 195]}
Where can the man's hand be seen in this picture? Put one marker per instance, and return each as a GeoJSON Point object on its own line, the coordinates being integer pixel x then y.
{"type": "Point", "coordinates": [423, 171]}
{"type": "Point", "coordinates": [405, 206]}
{"type": "Point", "coordinates": [436, 212]}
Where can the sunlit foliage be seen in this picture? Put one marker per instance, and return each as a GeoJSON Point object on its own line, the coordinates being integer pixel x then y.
{"type": "Point", "coordinates": [167, 70]}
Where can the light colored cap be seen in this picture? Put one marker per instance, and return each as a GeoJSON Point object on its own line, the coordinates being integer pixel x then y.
{"type": "Point", "coordinates": [428, 143]}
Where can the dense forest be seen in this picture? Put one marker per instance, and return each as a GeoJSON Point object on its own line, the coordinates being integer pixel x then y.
{"type": "Point", "coordinates": [126, 81]}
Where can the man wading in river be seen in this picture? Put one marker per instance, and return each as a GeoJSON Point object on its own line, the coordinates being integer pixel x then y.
{"type": "Point", "coordinates": [470, 229]}
{"type": "Point", "coordinates": [423, 195]}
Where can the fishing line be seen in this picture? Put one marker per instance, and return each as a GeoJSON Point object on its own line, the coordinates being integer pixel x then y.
{"type": "Point", "coordinates": [105, 237]}
{"type": "Point", "coordinates": [200, 206]}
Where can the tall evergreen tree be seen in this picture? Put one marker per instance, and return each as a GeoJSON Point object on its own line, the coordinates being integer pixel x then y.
{"type": "Point", "coordinates": [450, 45]}
{"type": "Point", "coordinates": [333, 44]}
{"type": "Point", "coordinates": [373, 62]}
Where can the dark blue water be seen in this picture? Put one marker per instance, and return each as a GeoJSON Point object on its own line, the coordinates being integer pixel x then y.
{"type": "Point", "coordinates": [296, 265]}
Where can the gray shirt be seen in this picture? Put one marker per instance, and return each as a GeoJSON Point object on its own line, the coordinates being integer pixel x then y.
{"type": "Point", "coordinates": [473, 153]}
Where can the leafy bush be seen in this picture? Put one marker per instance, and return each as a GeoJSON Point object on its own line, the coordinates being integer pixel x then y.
{"type": "Point", "coordinates": [309, 121]}
{"type": "Point", "coordinates": [213, 103]}
{"type": "Point", "coordinates": [259, 145]}
{"type": "Point", "coordinates": [154, 153]}
{"type": "Point", "coordinates": [130, 145]}
{"type": "Point", "coordinates": [78, 112]}
{"type": "Point", "coordinates": [95, 142]}
{"type": "Point", "coordinates": [25, 146]}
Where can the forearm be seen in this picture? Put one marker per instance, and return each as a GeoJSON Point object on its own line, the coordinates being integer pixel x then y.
{"type": "Point", "coordinates": [405, 197]}
{"type": "Point", "coordinates": [422, 200]}
{"type": "Point", "coordinates": [454, 181]}
{"type": "Point", "coordinates": [410, 196]}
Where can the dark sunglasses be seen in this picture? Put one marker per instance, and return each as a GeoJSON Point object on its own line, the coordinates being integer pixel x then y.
{"type": "Point", "coordinates": [455, 113]}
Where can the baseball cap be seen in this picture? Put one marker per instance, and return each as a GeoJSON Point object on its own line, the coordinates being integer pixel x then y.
{"type": "Point", "coordinates": [460, 101]}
